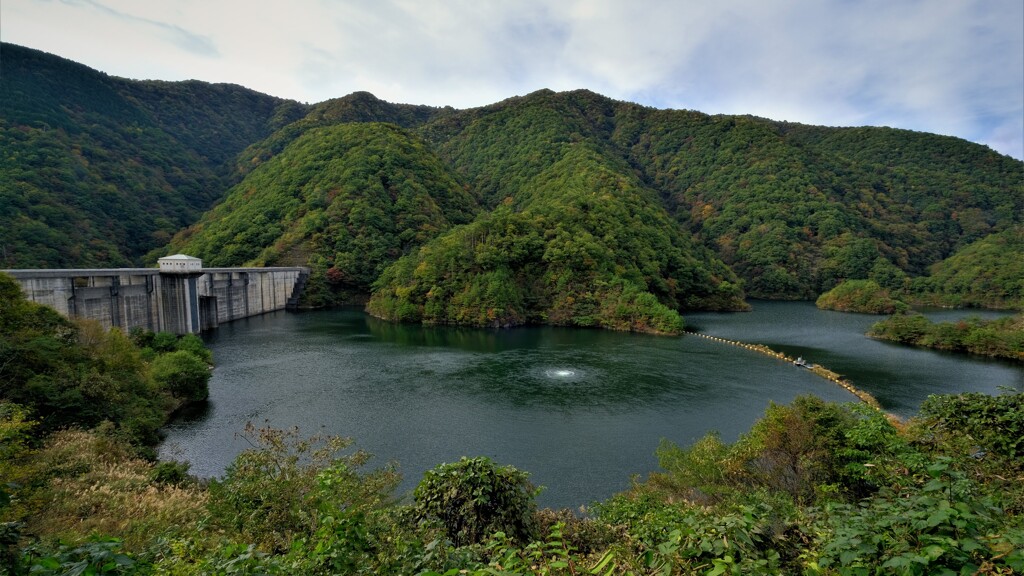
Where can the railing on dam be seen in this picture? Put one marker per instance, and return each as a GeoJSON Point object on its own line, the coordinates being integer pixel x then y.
{"type": "Point", "coordinates": [147, 298]}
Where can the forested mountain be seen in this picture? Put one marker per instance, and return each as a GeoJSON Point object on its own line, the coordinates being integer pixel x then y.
{"type": "Point", "coordinates": [97, 171]}
{"type": "Point", "coordinates": [356, 107]}
{"type": "Point", "coordinates": [576, 237]}
{"type": "Point", "coordinates": [589, 247]}
{"type": "Point", "coordinates": [796, 209]}
{"type": "Point", "coordinates": [216, 121]}
{"type": "Point", "coordinates": [569, 208]}
{"type": "Point", "coordinates": [987, 273]}
{"type": "Point", "coordinates": [792, 209]}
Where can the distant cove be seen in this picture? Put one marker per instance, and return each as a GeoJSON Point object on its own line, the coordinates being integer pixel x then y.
{"type": "Point", "coordinates": [581, 410]}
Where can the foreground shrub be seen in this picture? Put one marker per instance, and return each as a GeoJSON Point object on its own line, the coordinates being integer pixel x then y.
{"type": "Point", "coordinates": [813, 488]}
{"type": "Point", "coordinates": [582, 534]}
{"type": "Point", "coordinates": [677, 538]}
{"type": "Point", "coordinates": [807, 450]}
{"type": "Point", "coordinates": [101, 556]}
{"type": "Point", "coordinates": [474, 498]}
{"type": "Point", "coordinates": [82, 483]}
{"type": "Point", "coordinates": [984, 438]}
{"type": "Point", "coordinates": [940, 527]}
{"type": "Point", "coordinates": [183, 374]}
{"type": "Point", "coordinates": [994, 423]}
{"type": "Point", "coordinates": [290, 490]}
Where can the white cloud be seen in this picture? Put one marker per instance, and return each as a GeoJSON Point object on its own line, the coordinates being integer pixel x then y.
{"type": "Point", "coordinates": [185, 39]}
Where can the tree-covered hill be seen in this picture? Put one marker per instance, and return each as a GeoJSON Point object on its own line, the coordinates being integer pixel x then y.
{"type": "Point", "coordinates": [955, 192]}
{"type": "Point", "coordinates": [500, 148]}
{"type": "Point", "coordinates": [97, 170]}
{"type": "Point", "coordinates": [356, 107]}
{"type": "Point", "coordinates": [588, 247]}
{"type": "Point", "coordinates": [576, 237]}
{"type": "Point", "coordinates": [792, 209]}
{"type": "Point", "coordinates": [346, 200]}
{"type": "Point", "coordinates": [797, 209]}
{"type": "Point", "coordinates": [217, 121]}
{"type": "Point", "coordinates": [987, 273]}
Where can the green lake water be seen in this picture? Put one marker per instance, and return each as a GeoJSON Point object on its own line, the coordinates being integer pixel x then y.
{"type": "Point", "coordinates": [581, 410]}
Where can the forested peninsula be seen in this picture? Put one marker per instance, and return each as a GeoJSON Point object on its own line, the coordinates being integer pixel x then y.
{"type": "Point", "coordinates": [1002, 338]}
{"type": "Point", "coordinates": [561, 208]}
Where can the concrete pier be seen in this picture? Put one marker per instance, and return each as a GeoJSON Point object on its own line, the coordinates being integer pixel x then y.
{"type": "Point", "coordinates": [185, 302]}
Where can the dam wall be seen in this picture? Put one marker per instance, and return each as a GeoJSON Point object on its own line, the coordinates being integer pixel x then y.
{"type": "Point", "coordinates": [231, 293]}
{"type": "Point", "coordinates": [179, 302]}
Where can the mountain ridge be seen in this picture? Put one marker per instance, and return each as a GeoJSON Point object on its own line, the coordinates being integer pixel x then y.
{"type": "Point", "coordinates": [773, 209]}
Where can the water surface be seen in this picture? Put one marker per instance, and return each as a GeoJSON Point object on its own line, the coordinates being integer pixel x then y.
{"type": "Point", "coordinates": [581, 410]}
{"type": "Point", "coordinates": [899, 376]}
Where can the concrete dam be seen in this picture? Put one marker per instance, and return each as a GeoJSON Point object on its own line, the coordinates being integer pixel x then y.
{"type": "Point", "coordinates": [180, 297]}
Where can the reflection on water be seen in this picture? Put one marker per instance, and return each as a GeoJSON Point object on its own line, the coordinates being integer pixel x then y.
{"type": "Point", "coordinates": [581, 410]}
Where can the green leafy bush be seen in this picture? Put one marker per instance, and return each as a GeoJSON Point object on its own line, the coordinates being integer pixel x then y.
{"type": "Point", "coordinates": [937, 528]}
{"type": "Point", "coordinates": [474, 498]}
{"type": "Point", "coordinates": [992, 423]}
{"type": "Point", "coordinates": [170, 472]}
{"type": "Point", "coordinates": [91, 558]}
{"type": "Point", "coordinates": [194, 344]}
{"type": "Point", "coordinates": [808, 450]}
{"type": "Point", "coordinates": [293, 491]}
{"type": "Point", "coordinates": [183, 374]}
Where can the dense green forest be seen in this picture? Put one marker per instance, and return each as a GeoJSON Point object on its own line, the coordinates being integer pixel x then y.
{"type": "Point", "coordinates": [987, 273]}
{"type": "Point", "coordinates": [811, 488]}
{"type": "Point", "coordinates": [96, 171]}
{"type": "Point", "coordinates": [618, 215]}
{"type": "Point", "coordinates": [346, 200]}
{"type": "Point", "coordinates": [797, 209]}
{"type": "Point", "coordinates": [356, 107]}
{"type": "Point", "coordinates": [588, 247]}
{"type": "Point", "coordinates": [865, 296]}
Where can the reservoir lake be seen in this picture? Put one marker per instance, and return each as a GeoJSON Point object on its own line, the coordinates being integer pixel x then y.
{"type": "Point", "coordinates": [580, 410]}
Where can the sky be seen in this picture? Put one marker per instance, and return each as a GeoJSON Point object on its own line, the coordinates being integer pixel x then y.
{"type": "Point", "coordinates": [953, 67]}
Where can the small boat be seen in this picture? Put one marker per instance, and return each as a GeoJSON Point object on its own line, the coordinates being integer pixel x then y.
{"type": "Point", "coordinates": [803, 363]}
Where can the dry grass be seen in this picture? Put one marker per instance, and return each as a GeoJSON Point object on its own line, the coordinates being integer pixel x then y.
{"type": "Point", "coordinates": [94, 486]}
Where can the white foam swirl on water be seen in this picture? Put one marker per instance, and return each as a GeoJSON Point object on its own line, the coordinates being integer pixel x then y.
{"type": "Point", "coordinates": [559, 373]}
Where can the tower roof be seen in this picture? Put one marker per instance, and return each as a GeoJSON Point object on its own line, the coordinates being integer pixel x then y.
{"type": "Point", "coordinates": [179, 257]}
